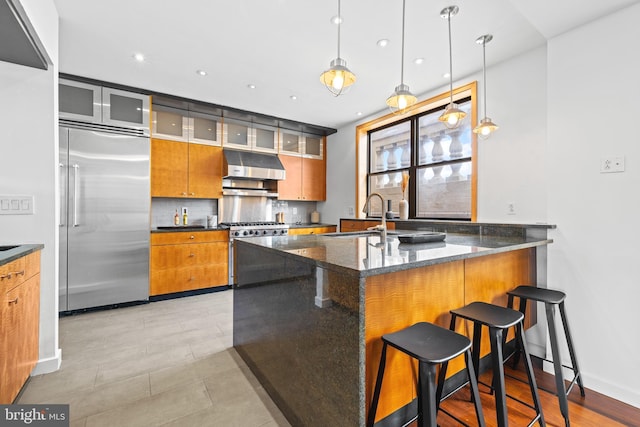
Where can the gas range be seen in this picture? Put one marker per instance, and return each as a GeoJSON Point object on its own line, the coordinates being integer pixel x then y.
{"type": "Point", "coordinates": [255, 229]}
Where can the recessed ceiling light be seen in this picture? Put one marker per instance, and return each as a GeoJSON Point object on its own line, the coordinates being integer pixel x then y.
{"type": "Point", "coordinates": [336, 19]}
{"type": "Point", "coordinates": [418, 61]}
{"type": "Point", "coordinates": [293, 97]}
{"type": "Point", "coordinates": [251, 86]}
{"type": "Point", "coordinates": [446, 75]}
{"type": "Point", "coordinates": [359, 113]}
{"type": "Point", "coordinates": [382, 42]}
{"type": "Point", "coordinates": [201, 72]}
{"type": "Point", "coordinates": [138, 57]}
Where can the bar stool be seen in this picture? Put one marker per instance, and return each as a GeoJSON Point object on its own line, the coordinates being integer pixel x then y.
{"type": "Point", "coordinates": [431, 345]}
{"type": "Point", "coordinates": [552, 298]}
{"type": "Point", "coordinates": [499, 320]}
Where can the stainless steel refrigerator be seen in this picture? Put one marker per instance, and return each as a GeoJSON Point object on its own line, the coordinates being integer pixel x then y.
{"type": "Point", "coordinates": [104, 218]}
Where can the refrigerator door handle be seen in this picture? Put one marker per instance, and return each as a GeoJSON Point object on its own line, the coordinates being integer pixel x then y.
{"type": "Point", "coordinates": [76, 190]}
{"type": "Point", "coordinates": [63, 184]}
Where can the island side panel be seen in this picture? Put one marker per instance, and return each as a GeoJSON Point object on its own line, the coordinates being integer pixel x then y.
{"type": "Point", "coordinates": [394, 301]}
{"type": "Point", "coordinates": [490, 277]}
{"type": "Point", "coordinates": [305, 356]}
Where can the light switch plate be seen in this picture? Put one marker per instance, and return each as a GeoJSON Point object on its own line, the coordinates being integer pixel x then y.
{"type": "Point", "coordinates": [16, 205]}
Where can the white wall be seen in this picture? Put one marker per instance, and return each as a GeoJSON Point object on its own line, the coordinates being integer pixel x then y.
{"type": "Point", "coordinates": [28, 149]}
{"type": "Point", "coordinates": [516, 92]}
{"type": "Point", "coordinates": [592, 113]}
{"type": "Point", "coordinates": [555, 107]}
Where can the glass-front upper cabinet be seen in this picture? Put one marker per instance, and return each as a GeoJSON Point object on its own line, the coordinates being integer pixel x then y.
{"type": "Point", "coordinates": [249, 136]}
{"type": "Point", "coordinates": [295, 143]}
{"type": "Point", "coordinates": [170, 123]}
{"type": "Point", "coordinates": [80, 101]}
{"type": "Point", "coordinates": [102, 105]}
{"type": "Point", "coordinates": [313, 146]}
{"type": "Point", "coordinates": [204, 129]}
{"type": "Point", "coordinates": [121, 108]}
{"type": "Point", "coordinates": [265, 138]}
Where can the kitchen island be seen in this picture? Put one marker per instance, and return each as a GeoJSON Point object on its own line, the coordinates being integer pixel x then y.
{"type": "Point", "coordinates": [309, 310]}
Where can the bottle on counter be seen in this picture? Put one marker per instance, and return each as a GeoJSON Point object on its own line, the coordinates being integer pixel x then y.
{"type": "Point", "coordinates": [185, 219]}
{"type": "Point", "coordinates": [176, 218]}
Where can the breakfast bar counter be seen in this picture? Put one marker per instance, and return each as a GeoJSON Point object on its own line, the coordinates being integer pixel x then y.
{"type": "Point", "coordinates": [309, 311]}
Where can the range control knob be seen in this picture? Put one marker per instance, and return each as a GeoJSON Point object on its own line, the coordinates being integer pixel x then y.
{"type": "Point", "coordinates": [245, 233]}
{"type": "Point", "coordinates": [265, 232]}
{"type": "Point", "coordinates": [237, 233]}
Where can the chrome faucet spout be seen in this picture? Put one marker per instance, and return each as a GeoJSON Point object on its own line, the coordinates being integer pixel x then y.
{"type": "Point", "coordinates": [383, 225]}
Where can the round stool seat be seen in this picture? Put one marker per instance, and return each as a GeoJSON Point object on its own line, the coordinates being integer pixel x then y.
{"type": "Point", "coordinates": [550, 296]}
{"type": "Point", "coordinates": [428, 342]}
{"type": "Point", "coordinates": [489, 314]}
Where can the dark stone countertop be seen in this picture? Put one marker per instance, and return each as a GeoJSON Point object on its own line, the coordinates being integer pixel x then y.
{"type": "Point", "coordinates": [17, 251]}
{"type": "Point", "coordinates": [362, 254]}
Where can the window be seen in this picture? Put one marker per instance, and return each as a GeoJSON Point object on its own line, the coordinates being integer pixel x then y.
{"type": "Point", "coordinates": [440, 161]}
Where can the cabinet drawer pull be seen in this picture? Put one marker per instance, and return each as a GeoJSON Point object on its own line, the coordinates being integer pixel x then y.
{"type": "Point", "coordinates": [13, 301]}
{"type": "Point", "coordinates": [6, 276]}
{"type": "Point", "coordinates": [192, 255]}
{"type": "Point", "coordinates": [192, 237]}
{"type": "Point", "coordinates": [19, 273]}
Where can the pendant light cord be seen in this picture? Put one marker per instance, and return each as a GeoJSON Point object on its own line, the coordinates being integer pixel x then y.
{"type": "Point", "coordinates": [450, 60]}
{"type": "Point", "coordinates": [339, 25]}
{"type": "Point", "coordinates": [484, 75]}
{"type": "Point", "coordinates": [402, 55]}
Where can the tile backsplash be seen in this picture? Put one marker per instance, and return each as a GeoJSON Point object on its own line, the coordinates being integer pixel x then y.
{"type": "Point", "coordinates": [164, 209]}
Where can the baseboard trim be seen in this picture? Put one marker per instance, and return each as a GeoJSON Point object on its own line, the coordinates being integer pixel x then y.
{"type": "Point", "coordinates": [48, 365]}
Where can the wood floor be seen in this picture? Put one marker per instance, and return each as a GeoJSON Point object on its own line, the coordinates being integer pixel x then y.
{"type": "Point", "coordinates": [593, 410]}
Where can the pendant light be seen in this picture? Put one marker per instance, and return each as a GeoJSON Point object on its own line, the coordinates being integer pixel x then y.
{"type": "Point", "coordinates": [338, 78]}
{"type": "Point", "coordinates": [486, 126]}
{"type": "Point", "coordinates": [401, 99]}
{"type": "Point", "coordinates": [452, 115]}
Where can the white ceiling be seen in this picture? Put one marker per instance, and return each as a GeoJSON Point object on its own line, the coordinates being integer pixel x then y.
{"type": "Point", "coordinates": [282, 46]}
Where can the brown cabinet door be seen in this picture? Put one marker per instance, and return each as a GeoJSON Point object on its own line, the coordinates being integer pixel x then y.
{"type": "Point", "coordinates": [291, 188]}
{"type": "Point", "coordinates": [169, 171]}
{"type": "Point", "coordinates": [313, 179]}
{"type": "Point", "coordinates": [205, 171]}
{"type": "Point", "coordinates": [19, 327]}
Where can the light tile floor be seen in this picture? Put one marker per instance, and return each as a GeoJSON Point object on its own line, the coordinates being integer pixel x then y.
{"type": "Point", "coordinates": [166, 363]}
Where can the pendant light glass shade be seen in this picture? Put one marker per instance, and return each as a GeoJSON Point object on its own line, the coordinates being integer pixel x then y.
{"type": "Point", "coordinates": [452, 116]}
{"type": "Point", "coordinates": [486, 126]}
{"type": "Point", "coordinates": [401, 99]}
{"type": "Point", "coordinates": [338, 78]}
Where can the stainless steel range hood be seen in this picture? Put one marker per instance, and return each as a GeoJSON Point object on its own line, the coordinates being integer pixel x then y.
{"type": "Point", "coordinates": [252, 165]}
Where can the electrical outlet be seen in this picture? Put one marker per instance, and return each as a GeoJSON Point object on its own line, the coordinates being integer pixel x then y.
{"type": "Point", "coordinates": [350, 211]}
{"type": "Point", "coordinates": [295, 211]}
{"type": "Point", "coordinates": [612, 164]}
{"type": "Point", "coordinates": [511, 208]}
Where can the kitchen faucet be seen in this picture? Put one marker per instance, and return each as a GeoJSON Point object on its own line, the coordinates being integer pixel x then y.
{"type": "Point", "coordinates": [382, 228]}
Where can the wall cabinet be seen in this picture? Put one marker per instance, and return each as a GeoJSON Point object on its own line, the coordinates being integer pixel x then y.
{"type": "Point", "coordinates": [188, 126]}
{"type": "Point", "coordinates": [249, 136]}
{"type": "Point", "coordinates": [19, 323]}
{"type": "Point", "coordinates": [306, 179]}
{"type": "Point", "coordinates": [294, 143]}
{"type": "Point", "coordinates": [102, 105]}
{"type": "Point", "coordinates": [182, 169]}
{"type": "Point", "coordinates": [186, 261]}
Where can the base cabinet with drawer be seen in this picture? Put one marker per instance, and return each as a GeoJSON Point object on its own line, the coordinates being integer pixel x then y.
{"type": "Point", "coordinates": [187, 261]}
{"type": "Point", "coordinates": [19, 323]}
{"type": "Point", "coordinates": [312, 230]}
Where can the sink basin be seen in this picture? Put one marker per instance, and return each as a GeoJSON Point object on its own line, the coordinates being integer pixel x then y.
{"type": "Point", "coordinates": [6, 248]}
